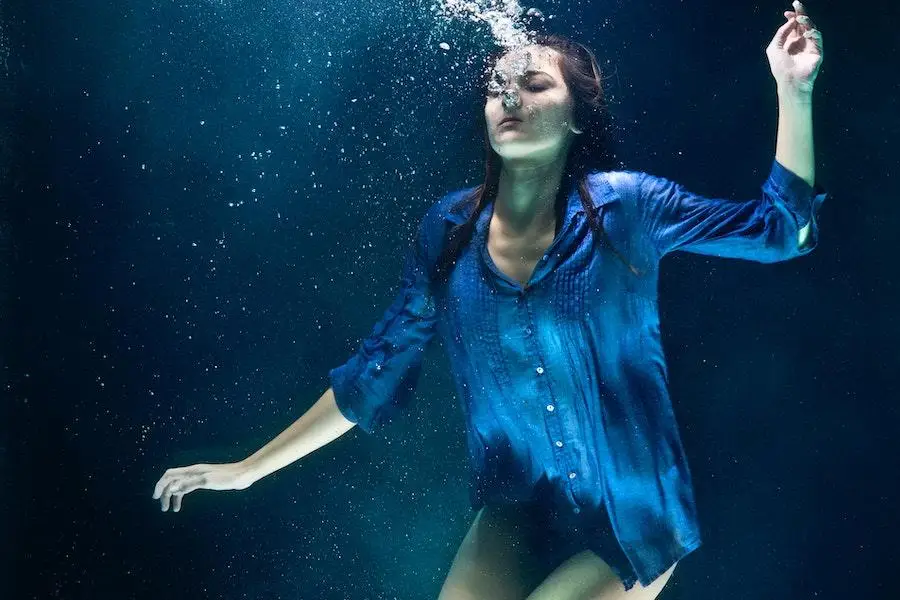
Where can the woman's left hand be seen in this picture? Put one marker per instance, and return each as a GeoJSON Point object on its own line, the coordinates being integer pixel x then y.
{"type": "Point", "coordinates": [795, 53]}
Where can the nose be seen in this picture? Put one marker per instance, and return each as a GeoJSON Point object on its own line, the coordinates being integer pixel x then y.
{"type": "Point", "coordinates": [511, 98]}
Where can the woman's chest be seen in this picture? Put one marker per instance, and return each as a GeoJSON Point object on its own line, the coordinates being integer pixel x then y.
{"type": "Point", "coordinates": [568, 280]}
{"type": "Point", "coordinates": [517, 256]}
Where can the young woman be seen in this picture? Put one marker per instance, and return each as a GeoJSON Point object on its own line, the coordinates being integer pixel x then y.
{"type": "Point", "coordinates": [541, 283]}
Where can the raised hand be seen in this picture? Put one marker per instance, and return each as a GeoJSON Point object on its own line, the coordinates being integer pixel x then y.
{"type": "Point", "coordinates": [795, 53]}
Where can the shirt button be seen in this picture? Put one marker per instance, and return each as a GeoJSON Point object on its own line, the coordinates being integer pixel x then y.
{"type": "Point", "coordinates": [540, 370]}
{"type": "Point", "coordinates": [528, 330]}
{"type": "Point", "coordinates": [572, 475]}
{"type": "Point", "coordinates": [559, 444]}
{"type": "Point", "coordinates": [550, 407]}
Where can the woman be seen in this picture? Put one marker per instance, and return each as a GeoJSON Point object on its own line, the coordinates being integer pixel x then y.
{"type": "Point", "coordinates": [542, 284]}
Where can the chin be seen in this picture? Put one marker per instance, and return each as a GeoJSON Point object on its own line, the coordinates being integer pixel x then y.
{"type": "Point", "coordinates": [514, 150]}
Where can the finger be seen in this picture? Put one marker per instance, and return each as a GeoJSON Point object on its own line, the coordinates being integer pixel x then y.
{"type": "Point", "coordinates": [798, 6]}
{"type": "Point", "coordinates": [783, 32]}
{"type": "Point", "coordinates": [162, 483]}
{"type": "Point", "coordinates": [167, 495]}
{"type": "Point", "coordinates": [815, 36]}
{"type": "Point", "coordinates": [176, 502]}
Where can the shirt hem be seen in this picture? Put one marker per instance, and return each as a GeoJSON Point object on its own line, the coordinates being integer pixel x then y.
{"type": "Point", "coordinates": [685, 550]}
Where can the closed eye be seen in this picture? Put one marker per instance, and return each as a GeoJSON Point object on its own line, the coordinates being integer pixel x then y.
{"type": "Point", "coordinates": [531, 88]}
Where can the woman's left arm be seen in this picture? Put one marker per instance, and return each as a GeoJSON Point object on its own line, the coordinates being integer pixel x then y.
{"type": "Point", "coordinates": [780, 225]}
{"type": "Point", "coordinates": [795, 56]}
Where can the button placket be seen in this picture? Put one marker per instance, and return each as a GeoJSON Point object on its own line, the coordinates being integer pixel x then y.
{"type": "Point", "coordinates": [554, 425]}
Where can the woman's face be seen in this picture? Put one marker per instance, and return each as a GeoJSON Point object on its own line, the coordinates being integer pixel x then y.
{"type": "Point", "coordinates": [527, 84]}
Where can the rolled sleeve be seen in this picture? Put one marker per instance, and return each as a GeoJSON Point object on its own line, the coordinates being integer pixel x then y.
{"type": "Point", "coordinates": [802, 200]}
{"type": "Point", "coordinates": [764, 229]}
{"type": "Point", "coordinates": [380, 378]}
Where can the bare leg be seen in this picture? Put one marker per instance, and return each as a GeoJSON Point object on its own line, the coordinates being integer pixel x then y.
{"type": "Point", "coordinates": [586, 576]}
{"type": "Point", "coordinates": [492, 562]}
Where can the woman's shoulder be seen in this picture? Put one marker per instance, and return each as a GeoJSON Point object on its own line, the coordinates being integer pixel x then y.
{"type": "Point", "coordinates": [623, 185]}
{"type": "Point", "coordinates": [617, 177]}
{"type": "Point", "coordinates": [452, 207]}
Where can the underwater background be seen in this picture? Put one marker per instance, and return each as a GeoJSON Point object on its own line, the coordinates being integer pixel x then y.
{"type": "Point", "coordinates": [204, 208]}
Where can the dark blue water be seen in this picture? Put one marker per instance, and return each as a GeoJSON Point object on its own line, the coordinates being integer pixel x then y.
{"type": "Point", "coordinates": [204, 208]}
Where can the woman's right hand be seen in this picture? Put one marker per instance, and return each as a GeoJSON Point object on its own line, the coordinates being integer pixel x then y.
{"type": "Point", "coordinates": [175, 483]}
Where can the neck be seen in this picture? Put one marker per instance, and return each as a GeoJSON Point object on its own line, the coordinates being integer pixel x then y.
{"type": "Point", "coordinates": [526, 195]}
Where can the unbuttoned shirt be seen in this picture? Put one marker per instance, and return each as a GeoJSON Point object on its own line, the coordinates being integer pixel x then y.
{"type": "Point", "coordinates": [563, 380]}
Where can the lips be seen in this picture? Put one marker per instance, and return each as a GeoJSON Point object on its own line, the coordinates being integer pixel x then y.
{"type": "Point", "coordinates": [510, 119]}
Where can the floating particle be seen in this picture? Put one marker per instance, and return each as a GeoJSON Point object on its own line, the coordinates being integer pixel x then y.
{"type": "Point", "coordinates": [444, 45]}
{"type": "Point", "coordinates": [533, 12]}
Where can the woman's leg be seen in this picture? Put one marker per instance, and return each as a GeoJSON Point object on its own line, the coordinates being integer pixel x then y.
{"type": "Point", "coordinates": [493, 561]}
{"type": "Point", "coordinates": [586, 576]}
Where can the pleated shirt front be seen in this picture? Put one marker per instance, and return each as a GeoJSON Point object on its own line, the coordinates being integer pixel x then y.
{"type": "Point", "coordinates": [564, 380]}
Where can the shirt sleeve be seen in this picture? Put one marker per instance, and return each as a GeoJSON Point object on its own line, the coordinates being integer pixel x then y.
{"type": "Point", "coordinates": [765, 229]}
{"type": "Point", "coordinates": [381, 377]}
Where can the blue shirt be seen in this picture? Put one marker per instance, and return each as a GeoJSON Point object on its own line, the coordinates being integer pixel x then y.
{"type": "Point", "coordinates": [564, 380]}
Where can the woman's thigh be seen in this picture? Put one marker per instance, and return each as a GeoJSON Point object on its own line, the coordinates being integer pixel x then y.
{"type": "Point", "coordinates": [585, 576]}
{"type": "Point", "coordinates": [494, 560]}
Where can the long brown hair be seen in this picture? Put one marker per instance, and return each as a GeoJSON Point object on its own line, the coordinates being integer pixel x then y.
{"type": "Point", "coordinates": [591, 150]}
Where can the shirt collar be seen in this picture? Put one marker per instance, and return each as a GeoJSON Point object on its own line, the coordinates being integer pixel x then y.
{"type": "Point", "coordinates": [457, 214]}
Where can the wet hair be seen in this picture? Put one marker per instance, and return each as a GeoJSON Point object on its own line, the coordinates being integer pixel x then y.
{"type": "Point", "coordinates": [590, 151]}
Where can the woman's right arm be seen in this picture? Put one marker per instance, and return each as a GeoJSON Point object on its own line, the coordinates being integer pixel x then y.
{"type": "Point", "coordinates": [319, 425]}
{"type": "Point", "coordinates": [377, 381]}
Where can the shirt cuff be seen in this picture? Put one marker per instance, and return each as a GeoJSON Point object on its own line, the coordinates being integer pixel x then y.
{"type": "Point", "coordinates": [802, 199]}
{"type": "Point", "coordinates": [345, 393]}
